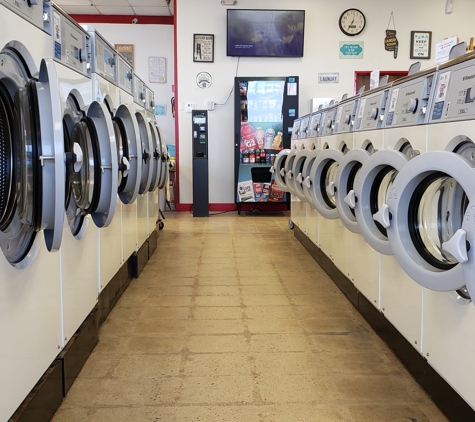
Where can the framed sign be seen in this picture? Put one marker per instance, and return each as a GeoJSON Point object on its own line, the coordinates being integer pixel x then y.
{"type": "Point", "coordinates": [127, 50]}
{"type": "Point", "coordinates": [203, 48]}
{"type": "Point", "coordinates": [421, 44]}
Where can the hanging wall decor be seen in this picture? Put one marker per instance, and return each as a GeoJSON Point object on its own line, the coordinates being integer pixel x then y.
{"type": "Point", "coordinates": [390, 42]}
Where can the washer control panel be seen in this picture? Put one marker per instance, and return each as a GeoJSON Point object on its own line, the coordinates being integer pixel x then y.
{"type": "Point", "coordinates": [345, 116]}
{"type": "Point", "coordinates": [125, 75]}
{"type": "Point", "coordinates": [104, 57]}
{"type": "Point", "coordinates": [37, 13]}
{"type": "Point", "coordinates": [140, 91]}
{"type": "Point", "coordinates": [372, 109]}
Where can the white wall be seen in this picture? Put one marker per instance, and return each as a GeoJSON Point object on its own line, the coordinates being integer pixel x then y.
{"type": "Point", "coordinates": [322, 37]}
{"type": "Point", "coordinates": [148, 41]}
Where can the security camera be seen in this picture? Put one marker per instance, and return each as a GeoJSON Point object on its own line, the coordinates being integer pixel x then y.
{"type": "Point", "coordinates": [135, 20]}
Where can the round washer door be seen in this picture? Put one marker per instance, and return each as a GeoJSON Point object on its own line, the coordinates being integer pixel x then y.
{"type": "Point", "coordinates": [297, 170]}
{"type": "Point", "coordinates": [129, 163]}
{"type": "Point", "coordinates": [373, 188]}
{"type": "Point", "coordinates": [156, 162]}
{"type": "Point", "coordinates": [324, 171]}
{"type": "Point", "coordinates": [307, 175]}
{"type": "Point", "coordinates": [430, 218]}
{"type": "Point", "coordinates": [145, 153]}
{"type": "Point", "coordinates": [164, 158]}
{"type": "Point", "coordinates": [289, 175]}
{"type": "Point", "coordinates": [278, 169]}
{"type": "Point", "coordinates": [31, 159]}
{"type": "Point", "coordinates": [348, 173]}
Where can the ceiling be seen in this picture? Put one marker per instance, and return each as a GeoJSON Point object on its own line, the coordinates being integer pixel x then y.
{"type": "Point", "coordinates": [116, 7]}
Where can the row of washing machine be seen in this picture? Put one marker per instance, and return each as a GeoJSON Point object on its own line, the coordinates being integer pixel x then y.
{"type": "Point", "coordinates": [81, 162]}
{"type": "Point", "coordinates": [384, 184]}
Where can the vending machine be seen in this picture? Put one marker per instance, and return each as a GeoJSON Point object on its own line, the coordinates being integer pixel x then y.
{"type": "Point", "coordinates": [265, 110]}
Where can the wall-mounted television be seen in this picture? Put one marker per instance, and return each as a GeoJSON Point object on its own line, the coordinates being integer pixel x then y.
{"type": "Point", "coordinates": [265, 33]}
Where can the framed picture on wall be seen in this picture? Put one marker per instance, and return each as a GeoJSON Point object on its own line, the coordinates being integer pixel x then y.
{"type": "Point", "coordinates": [421, 44]}
{"type": "Point", "coordinates": [127, 50]}
{"type": "Point", "coordinates": [203, 48]}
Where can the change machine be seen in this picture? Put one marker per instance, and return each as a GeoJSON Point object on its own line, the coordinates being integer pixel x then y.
{"type": "Point", "coordinates": [200, 164]}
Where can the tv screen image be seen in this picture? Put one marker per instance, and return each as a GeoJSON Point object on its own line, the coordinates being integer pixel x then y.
{"type": "Point", "coordinates": [265, 33]}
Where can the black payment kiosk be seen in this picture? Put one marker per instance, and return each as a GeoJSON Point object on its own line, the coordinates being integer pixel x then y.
{"type": "Point", "coordinates": [200, 163]}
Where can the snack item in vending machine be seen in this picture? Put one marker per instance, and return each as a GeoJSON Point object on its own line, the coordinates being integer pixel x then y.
{"type": "Point", "coordinates": [257, 192]}
{"type": "Point", "coordinates": [245, 191]}
{"type": "Point", "coordinates": [265, 192]}
{"type": "Point", "coordinates": [276, 194]}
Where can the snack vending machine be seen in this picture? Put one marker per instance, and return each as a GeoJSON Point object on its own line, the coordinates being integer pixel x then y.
{"type": "Point", "coordinates": [264, 114]}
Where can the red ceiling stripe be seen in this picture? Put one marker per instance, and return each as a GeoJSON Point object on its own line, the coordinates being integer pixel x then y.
{"type": "Point", "coordinates": [124, 19]}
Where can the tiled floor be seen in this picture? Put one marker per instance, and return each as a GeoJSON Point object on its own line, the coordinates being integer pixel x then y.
{"type": "Point", "coordinates": [232, 320]}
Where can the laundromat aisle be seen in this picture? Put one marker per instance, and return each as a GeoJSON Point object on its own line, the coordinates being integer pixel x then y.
{"type": "Point", "coordinates": [232, 320]}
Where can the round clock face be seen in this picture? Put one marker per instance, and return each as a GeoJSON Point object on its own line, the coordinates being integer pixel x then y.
{"type": "Point", "coordinates": [352, 22]}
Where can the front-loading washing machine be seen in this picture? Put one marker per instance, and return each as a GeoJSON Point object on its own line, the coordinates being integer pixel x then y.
{"type": "Point", "coordinates": [432, 225]}
{"type": "Point", "coordinates": [31, 201]}
{"type": "Point", "coordinates": [105, 90]}
{"type": "Point", "coordinates": [156, 158]}
{"type": "Point", "coordinates": [91, 171]}
{"type": "Point", "coordinates": [145, 155]}
{"type": "Point", "coordinates": [129, 149]}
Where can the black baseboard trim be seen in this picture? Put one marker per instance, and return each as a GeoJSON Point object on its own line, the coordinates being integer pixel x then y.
{"type": "Point", "coordinates": [152, 243]}
{"type": "Point", "coordinates": [44, 399]}
{"type": "Point", "coordinates": [113, 291]}
{"type": "Point", "coordinates": [77, 351]}
{"type": "Point", "coordinates": [443, 395]}
{"type": "Point", "coordinates": [138, 260]}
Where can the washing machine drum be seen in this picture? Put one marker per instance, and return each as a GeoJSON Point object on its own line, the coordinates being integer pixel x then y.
{"type": "Point", "coordinates": [431, 230]}
{"type": "Point", "coordinates": [31, 159]}
{"type": "Point", "coordinates": [346, 179]}
{"type": "Point", "coordinates": [278, 169]}
{"type": "Point", "coordinates": [324, 171]}
{"type": "Point", "coordinates": [91, 164]}
{"type": "Point", "coordinates": [128, 147]}
{"type": "Point", "coordinates": [145, 153]}
{"type": "Point", "coordinates": [373, 189]}
{"type": "Point", "coordinates": [297, 170]}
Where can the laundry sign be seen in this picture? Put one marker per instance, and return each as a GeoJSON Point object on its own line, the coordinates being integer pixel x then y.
{"type": "Point", "coordinates": [391, 42]}
{"type": "Point", "coordinates": [353, 50]}
{"type": "Point", "coordinates": [328, 78]}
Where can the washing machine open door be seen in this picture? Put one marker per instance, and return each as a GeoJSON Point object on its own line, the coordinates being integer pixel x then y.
{"type": "Point", "coordinates": [374, 187]}
{"type": "Point", "coordinates": [297, 170]}
{"type": "Point", "coordinates": [307, 176]}
{"type": "Point", "coordinates": [347, 176]}
{"type": "Point", "coordinates": [164, 158]}
{"type": "Point", "coordinates": [156, 162]}
{"type": "Point", "coordinates": [31, 158]}
{"type": "Point", "coordinates": [145, 153]}
{"type": "Point", "coordinates": [324, 171]}
{"type": "Point", "coordinates": [278, 169]}
{"type": "Point", "coordinates": [91, 185]}
{"type": "Point", "coordinates": [431, 218]}
{"type": "Point", "coordinates": [130, 167]}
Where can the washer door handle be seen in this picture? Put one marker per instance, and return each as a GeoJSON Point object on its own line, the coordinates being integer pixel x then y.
{"type": "Point", "coordinates": [300, 178]}
{"type": "Point", "coordinates": [308, 182]}
{"type": "Point", "coordinates": [125, 166]}
{"type": "Point", "coordinates": [282, 172]}
{"type": "Point", "coordinates": [331, 189]}
{"type": "Point", "coordinates": [289, 174]}
{"type": "Point", "coordinates": [272, 170]}
{"type": "Point", "coordinates": [457, 246]}
{"type": "Point", "coordinates": [350, 199]}
{"type": "Point", "coordinates": [79, 157]}
{"type": "Point", "coordinates": [383, 216]}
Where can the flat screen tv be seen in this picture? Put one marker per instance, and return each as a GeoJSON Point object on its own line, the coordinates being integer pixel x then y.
{"type": "Point", "coordinates": [265, 33]}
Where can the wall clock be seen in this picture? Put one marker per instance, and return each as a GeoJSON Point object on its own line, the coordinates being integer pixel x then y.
{"type": "Point", "coordinates": [352, 22]}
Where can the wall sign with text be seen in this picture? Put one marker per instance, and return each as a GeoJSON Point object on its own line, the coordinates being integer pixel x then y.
{"type": "Point", "coordinates": [421, 44]}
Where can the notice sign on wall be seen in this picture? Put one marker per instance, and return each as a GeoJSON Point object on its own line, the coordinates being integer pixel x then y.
{"type": "Point", "coordinates": [353, 50]}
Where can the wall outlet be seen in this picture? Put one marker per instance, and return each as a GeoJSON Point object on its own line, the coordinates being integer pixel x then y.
{"type": "Point", "coordinates": [188, 107]}
{"type": "Point", "coordinates": [211, 105]}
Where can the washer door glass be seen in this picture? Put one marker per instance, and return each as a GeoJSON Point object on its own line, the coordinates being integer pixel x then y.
{"type": "Point", "coordinates": [327, 179]}
{"type": "Point", "coordinates": [7, 186]}
{"type": "Point", "coordinates": [436, 212]}
{"type": "Point", "coordinates": [85, 180]}
{"type": "Point", "coordinates": [379, 192]}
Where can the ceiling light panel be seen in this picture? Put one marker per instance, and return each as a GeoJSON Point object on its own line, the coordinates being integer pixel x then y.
{"type": "Point", "coordinates": [114, 10]}
{"type": "Point", "coordinates": [148, 3]}
{"type": "Point", "coordinates": [79, 10]}
{"type": "Point", "coordinates": [151, 11]}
